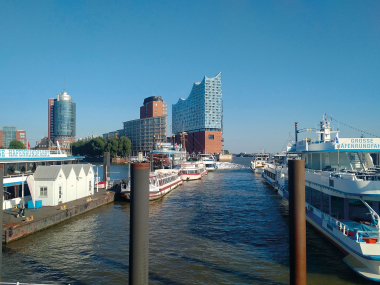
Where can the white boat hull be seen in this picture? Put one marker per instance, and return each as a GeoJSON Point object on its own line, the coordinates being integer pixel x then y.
{"type": "Point", "coordinates": [154, 192]}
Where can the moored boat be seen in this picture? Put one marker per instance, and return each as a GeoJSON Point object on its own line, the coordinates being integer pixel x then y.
{"type": "Point", "coordinates": [258, 162]}
{"type": "Point", "coordinates": [192, 168]}
{"type": "Point", "coordinates": [342, 192]}
{"type": "Point", "coordinates": [272, 170]}
{"type": "Point", "coordinates": [161, 182]}
{"type": "Point", "coordinates": [209, 161]}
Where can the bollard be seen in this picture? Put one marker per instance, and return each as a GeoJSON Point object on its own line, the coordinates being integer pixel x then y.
{"type": "Point", "coordinates": [106, 167]}
{"type": "Point", "coordinates": [1, 208]}
{"type": "Point", "coordinates": [139, 224]}
{"type": "Point", "coordinates": [297, 222]}
{"type": "Point", "coordinates": [151, 162]}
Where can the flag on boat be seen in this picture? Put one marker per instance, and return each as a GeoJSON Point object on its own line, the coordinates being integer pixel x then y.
{"type": "Point", "coordinates": [28, 145]}
{"type": "Point", "coordinates": [336, 139]}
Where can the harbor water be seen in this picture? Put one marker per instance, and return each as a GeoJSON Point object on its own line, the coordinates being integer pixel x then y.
{"type": "Point", "coordinates": [228, 228]}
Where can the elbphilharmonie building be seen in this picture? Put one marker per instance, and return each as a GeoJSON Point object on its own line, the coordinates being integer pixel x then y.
{"type": "Point", "coordinates": [201, 116]}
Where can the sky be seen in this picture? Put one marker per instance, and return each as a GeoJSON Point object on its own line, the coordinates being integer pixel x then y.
{"type": "Point", "coordinates": [281, 61]}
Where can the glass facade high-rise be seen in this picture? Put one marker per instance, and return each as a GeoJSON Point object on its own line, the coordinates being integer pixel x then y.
{"type": "Point", "coordinates": [64, 116]}
{"type": "Point", "coordinates": [201, 116]}
{"type": "Point", "coordinates": [9, 134]}
{"type": "Point", "coordinates": [202, 110]}
{"type": "Point", "coordinates": [144, 132]}
{"type": "Point", "coordinates": [63, 119]}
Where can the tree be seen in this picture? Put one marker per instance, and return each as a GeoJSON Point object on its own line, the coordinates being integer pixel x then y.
{"type": "Point", "coordinates": [124, 146]}
{"type": "Point", "coordinates": [226, 152]}
{"type": "Point", "coordinates": [96, 146]}
{"type": "Point", "coordinates": [1, 147]}
{"type": "Point", "coordinates": [112, 146]}
{"type": "Point", "coordinates": [15, 144]}
{"type": "Point", "coordinates": [78, 147]}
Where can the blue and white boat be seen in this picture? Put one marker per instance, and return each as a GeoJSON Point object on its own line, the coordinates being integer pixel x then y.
{"type": "Point", "coordinates": [209, 161]}
{"type": "Point", "coordinates": [342, 194]}
{"type": "Point", "coordinates": [258, 162]}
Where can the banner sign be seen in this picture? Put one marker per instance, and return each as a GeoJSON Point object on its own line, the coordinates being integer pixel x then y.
{"type": "Point", "coordinates": [7, 153]}
{"type": "Point", "coordinates": [358, 143]}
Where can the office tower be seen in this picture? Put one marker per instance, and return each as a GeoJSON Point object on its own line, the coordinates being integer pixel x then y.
{"type": "Point", "coordinates": [51, 119]}
{"type": "Point", "coordinates": [201, 117]}
{"type": "Point", "coordinates": [9, 134]}
{"type": "Point", "coordinates": [153, 106]}
{"type": "Point", "coordinates": [150, 128]}
{"type": "Point", "coordinates": [62, 116]}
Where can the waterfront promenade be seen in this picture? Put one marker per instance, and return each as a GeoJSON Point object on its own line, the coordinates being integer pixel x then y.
{"type": "Point", "coordinates": [17, 227]}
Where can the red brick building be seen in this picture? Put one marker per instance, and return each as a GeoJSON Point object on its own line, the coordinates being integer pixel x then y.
{"type": "Point", "coordinates": [202, 142]}
{"type": "Point", "coordinates": [154, 106]}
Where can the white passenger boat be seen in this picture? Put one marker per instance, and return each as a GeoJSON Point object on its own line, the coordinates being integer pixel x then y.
{"type": "Point", "coordinates": [258, 162]}
{"type": "Point", "coordinates": [192, 168]}
{"type": "Point", "coordinates": [161, 182]}
{"type": "Point", "coordinates": [209, 161]}
{"type": "Point", "coordinates": [342, 194]}
{"type": "Point", "coordinates": [272, 170]}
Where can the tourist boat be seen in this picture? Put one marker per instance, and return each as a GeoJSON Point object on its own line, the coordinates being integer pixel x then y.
{"type": "Point", "coordinates": [272, 170]}
{"type": "Point", "coordinates": [258, 162]}
{"type": "Point", "coordinates": [161, 182]}
{"type": "Point", "coordinates": [192, 168]}
{"type": "Point", "coordinates": [209, 161]}
{"type": "Point", "coordinates": [342, 193]}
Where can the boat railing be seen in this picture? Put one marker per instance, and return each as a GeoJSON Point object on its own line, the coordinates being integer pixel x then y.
{"type": "Point", "coordinates": [371, 239]}
{"type": "Point", "coordinates": [342, 227]}
{"type": "Point", "coordinates": [364, 176]}
{"type": "Point", "coordinates": [330, 220]}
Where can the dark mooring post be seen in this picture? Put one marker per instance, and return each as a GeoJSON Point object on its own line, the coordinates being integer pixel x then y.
{"type": "Point", "coordinates": [139, 224]}
{"type": "Point", "coordinates": [106, 167]}
{"type": "Point", "coordinates": [297, 222]}
{"type": "Point", "coordinates": [151, 162]}
{"type": "Point", "coordinates": [1, 210]}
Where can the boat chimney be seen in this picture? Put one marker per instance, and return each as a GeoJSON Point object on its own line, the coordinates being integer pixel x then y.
{"type": "Point", "coordinates": [321, 125]}
{"type": "Point", "coordinates": [296, 125]}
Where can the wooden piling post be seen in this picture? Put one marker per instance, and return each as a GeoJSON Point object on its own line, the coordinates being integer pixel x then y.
{"type": "Point", "coordinates": [297, 222]}
{"type": "Point", "coordinates": [139, 225]}
{"type": "Point", "coordinates": [1, 208]}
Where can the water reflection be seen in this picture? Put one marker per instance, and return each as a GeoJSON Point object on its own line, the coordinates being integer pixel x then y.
{"type": "Point", "coordinates": [228, 228]}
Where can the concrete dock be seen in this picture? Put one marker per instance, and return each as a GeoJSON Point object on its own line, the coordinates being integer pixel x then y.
{"type": "Point", "coordinates": [17, 227]}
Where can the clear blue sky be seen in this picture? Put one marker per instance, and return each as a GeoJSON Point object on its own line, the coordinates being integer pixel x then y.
{"type": "Point", "coordinates": [281, 62]}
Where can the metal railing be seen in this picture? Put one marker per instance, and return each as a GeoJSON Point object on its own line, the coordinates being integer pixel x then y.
{"type": "Point", "coordinates": [343, 228]}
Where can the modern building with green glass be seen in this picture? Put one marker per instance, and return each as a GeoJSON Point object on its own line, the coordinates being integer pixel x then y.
{"type": "Point", "coordinates": [62, 119]}
{"type": "Point", "coordinates": [201, 116]}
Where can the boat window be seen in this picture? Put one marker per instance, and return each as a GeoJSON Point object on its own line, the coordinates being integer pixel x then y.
{"type": "Point", "coordinates": [359, 212]}
{"type": "Point", "coordinates": [337, 207]}
{"type": "Point", "coordinates": [316, 198]}
{"type": "Point", "coordinates": [326, 203]}
{"type": "Point", "coordinates": [308, 194]}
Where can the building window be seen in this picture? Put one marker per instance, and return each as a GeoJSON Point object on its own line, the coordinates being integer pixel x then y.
{"type": "Point", "coordinates": [210, 137]}
{"type": "Point", "coordinates": [43, 191]}
{"type": "Point", "coordinates": [89, 185]}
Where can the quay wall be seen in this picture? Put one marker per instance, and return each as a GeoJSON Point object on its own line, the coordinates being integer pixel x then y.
{"type": "Point", "coordinates": [21, 230]}
{"type": "Point", "coordinates": [225, 157]}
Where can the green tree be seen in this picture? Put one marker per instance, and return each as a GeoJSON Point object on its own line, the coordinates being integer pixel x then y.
{"type": "Point", "coordinates": [15, 144]}
{"type": "Point", "coordinates": [124, 146]}
{"type": "Point", "coordinates": [78, 147]}
{"type": "Point", "coordinates": [1, 147]}
{"type": "Point", "coordinates": [226, 152]}
{"type": "Point", "coordinates": [96, 146]}
{"type": "Point", "coordinates": [112, 146]}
